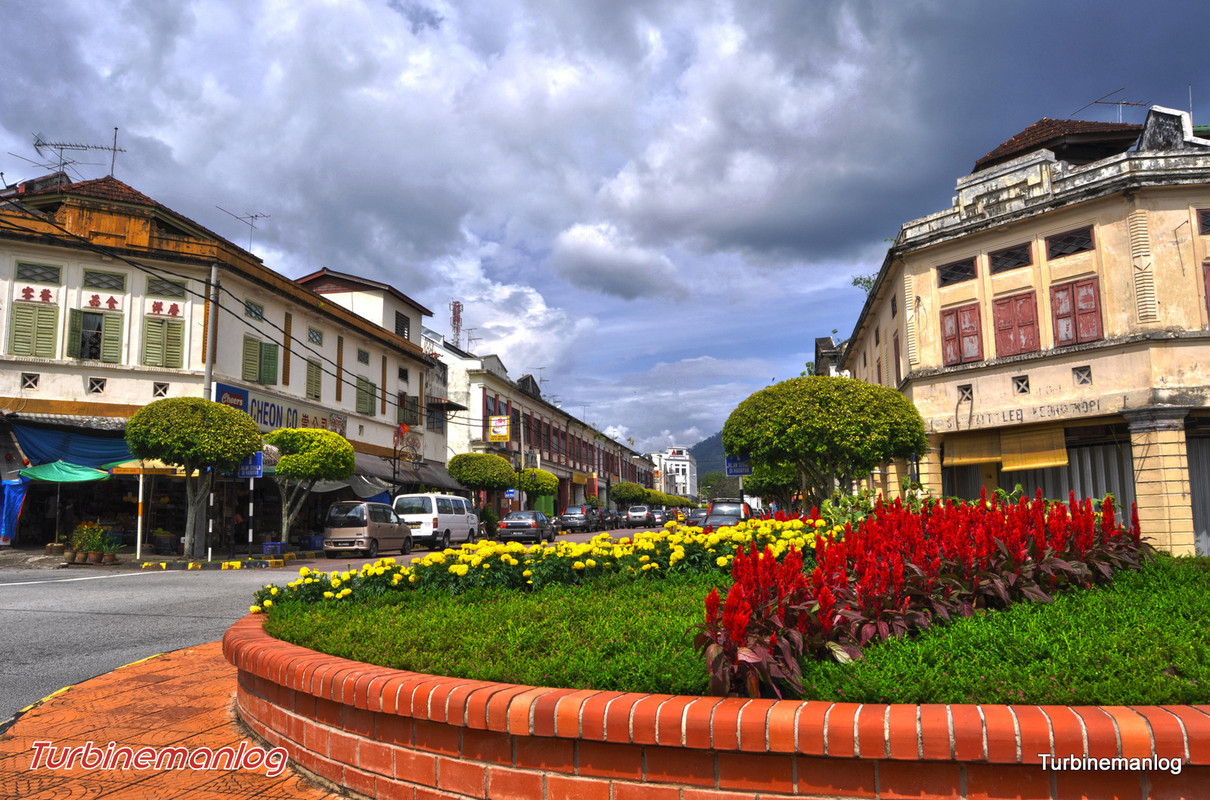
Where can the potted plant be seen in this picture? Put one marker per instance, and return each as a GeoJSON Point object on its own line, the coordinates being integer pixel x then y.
{"type": "Point", "coordinates": [89, 538]}
{"type": "Point", "coordinates": [165, 542]}
{"type": "Point", "coordinates": [109, 550]}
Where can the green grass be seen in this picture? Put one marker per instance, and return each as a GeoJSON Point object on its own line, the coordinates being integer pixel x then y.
{"type": "Point", "coordinates": [1145, 639]}
{"type": "Point", "coordinates": [608, 634]}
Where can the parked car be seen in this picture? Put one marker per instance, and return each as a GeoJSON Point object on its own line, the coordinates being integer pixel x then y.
{"type": "Point", "coordinates": [580, 518]}
{"type": "Point", "coordinates": [365, 527]}
{"type": "Point", "coordinates": [730, 505]}
{"type": "Point", "coordinates": [713, 522]}
{"type": "Point", "coordinates": [639, 517]}
{"type": "Point", "coordinates": [658, 517]}
{"type": "Point", "coordinates": [611, 519]}
{"type": "Point", "coordinates": [438, 519]}
{"type": "Point", "coordinates": [526, 525]}
{"type": "Point", "coordinates": [694, 517]}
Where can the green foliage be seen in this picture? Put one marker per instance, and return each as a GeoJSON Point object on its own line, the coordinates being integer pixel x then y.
{"type": "Point", "coordinates": [717, 484]}
{"type": "Point", "coordinates": [192, 433]}
{"type": "Point", "coordinates": [865, 282]}
{"type": "Point", "coordinates": [309, 454]}
{"type": "Point", "coordinates": [88, 536]}
{"type": "Point", "coordinates": [609, 634]}
{"type": "Point", "coordinates": [1144, 639]}
{"type": "Point", "coordinates": [627, 494]}
{"type": "Point", "coordinates": [538, 482]}
{"type": "Point", "coordinates": [830, 429]}
{"type": "Point", "coordinates": [776, 482]}
{"type": "Point", "coordinates": [482, 471]}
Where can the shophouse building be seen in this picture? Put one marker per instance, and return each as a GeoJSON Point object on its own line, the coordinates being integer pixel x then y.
{"type": "Point", "coordinates": [1053, 325]}
{"type": "Point", "coordinates": [676, 469]}
{"type": "Point", "coordinates": [539, 433]}
{"type": "Point", "coordinates": [107, 306]}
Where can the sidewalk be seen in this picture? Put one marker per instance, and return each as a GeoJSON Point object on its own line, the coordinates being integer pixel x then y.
{"type": "Point", "coordinates": [34, 557]}
{"type": "Point", "coordinates": [180, 699]}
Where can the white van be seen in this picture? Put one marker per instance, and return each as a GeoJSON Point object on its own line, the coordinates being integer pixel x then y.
{"type": "Point", "coordinates": [437, 519]}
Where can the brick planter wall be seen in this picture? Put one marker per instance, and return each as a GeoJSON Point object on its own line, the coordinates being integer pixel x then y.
{"type": "Point", "coordinates": [392, 734]}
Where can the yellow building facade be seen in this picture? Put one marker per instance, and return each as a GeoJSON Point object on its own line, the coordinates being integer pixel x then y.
{"type": "Point", "coordinates": [1053, 326]}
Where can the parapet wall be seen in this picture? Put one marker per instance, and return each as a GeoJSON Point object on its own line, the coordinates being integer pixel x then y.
{"type": "Point", "coordinates": [386, 733]}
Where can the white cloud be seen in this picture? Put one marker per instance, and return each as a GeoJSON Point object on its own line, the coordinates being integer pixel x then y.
{"type": "Point", "coordinates": [598, 257]}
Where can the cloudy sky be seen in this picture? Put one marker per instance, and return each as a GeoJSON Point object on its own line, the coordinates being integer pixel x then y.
{"type": "Point", "coordinates": [659, 202]}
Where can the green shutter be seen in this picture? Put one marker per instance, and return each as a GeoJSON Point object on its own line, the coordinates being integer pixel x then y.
{"type": "Point", "coordinates": [111, 338]}
{"type": "Point", "coordinates": [314, 380]}
{"type": "Point", "coordinates": [174, 344]}
{"type": "Point", "coordinates": [75, 332]}
{"type": "Point", "coordinates": [153, 342]}
{"type": "Point", "coordinates": [22, 341]}
{"type": "Point", "coordinates": [268, 363]}
{"type": "Point", "coordinates": [251, 371]}
{"type": "Point", "coordinates": [46, 326]}
{"type": "Point", "coordinates": [411, 409]}
{"type": "Point", "coordinates": [365, 397]}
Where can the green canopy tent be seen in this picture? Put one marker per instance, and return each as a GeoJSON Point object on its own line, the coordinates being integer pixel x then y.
{"type": "Point", "coordinates": [61, 472]}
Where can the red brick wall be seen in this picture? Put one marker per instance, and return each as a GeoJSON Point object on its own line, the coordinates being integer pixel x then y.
{"type": "Point", "coordinates": [392, 734]}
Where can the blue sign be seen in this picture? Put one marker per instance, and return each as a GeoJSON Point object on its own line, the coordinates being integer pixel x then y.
{"type": "Point", "coordinates": [510, 494]}
{"type": "Point", "coordinates": [738, 467]}
{"type": "Point", "coordinates": [253, 466]}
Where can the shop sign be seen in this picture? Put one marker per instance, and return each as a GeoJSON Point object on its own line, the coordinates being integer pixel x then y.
{"type": "Point", "coordinates": [580, 478]}
{"type": "Point", "coordinates": [271, 413]}
{"type": "Point", "coordinates": [497, 429]}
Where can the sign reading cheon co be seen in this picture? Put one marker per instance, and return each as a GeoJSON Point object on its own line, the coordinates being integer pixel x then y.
{"type": "Point", "coordinates": [272, 412]}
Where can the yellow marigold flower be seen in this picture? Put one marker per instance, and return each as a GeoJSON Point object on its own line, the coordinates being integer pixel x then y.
{"type": "Point", "coordinates": [273, 591]}
{"type": "Point", "coordinates": [476, 561]}
{"type": "Point", "coordinates": [578, 565]}
{"type": "Point", "coordinates": [336, 583]}
{"type": "Point", "coordinates": [253, 609]}
{"type": "Point", "coordinates": [527, 573]}
{"type": "Point", "coordinates": [721, 561]}
{"type": "Point", "coordinates": [329, 595]}
{"type": "Point", "coordinates": [590, 563]}
{"type": "Point", "coordinates": [412, 578]}
{"type": "Point", "coordinates": [644, 559]}
{"type": "Point", "coordinates": [304, 572]}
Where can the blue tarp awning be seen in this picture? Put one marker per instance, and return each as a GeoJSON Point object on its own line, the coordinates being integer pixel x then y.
{"type": "Point", "coordinates": [44, 445]}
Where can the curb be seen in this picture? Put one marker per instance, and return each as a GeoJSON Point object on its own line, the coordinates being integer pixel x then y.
{"type": "Point", "coordinates": [248, 563]}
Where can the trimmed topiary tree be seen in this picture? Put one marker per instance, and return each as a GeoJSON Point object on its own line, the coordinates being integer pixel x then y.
{"type": "Point", "coordinates": [831, 430]}
{"type": "Point", "coordinates": [537, 483]}
{"type": "Point", "coordinates": [626, 494]}
{"type": "Point", "coordinates": [306, 456]}
{"type": "Point", "coordinates": [201, 437]}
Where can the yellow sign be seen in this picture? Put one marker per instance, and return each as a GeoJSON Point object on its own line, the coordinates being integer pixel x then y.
{"type": "Point", "coordinates": [497, 429]}
{"type": "Point", "coordinates": [579, 477]}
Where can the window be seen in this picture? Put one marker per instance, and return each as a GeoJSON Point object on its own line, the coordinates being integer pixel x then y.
{"type": "Point", "coordinates": [1203, 222]}
{"type": "Point", "coordinates": [363, 356]}
{"type": "Point", "coordinates": [894, 305]}
{"type": "Point", "coordinates": [435, 419]}
{"type": "Point", "coordinates": [403, 324]}
{"type": "Point", "coordinates": [403, 375]}
{"type": "Point", "coordinates": [159, 390]}
{"type": "Point", "coordinates": [1081, 376]}
{"type": "Point", "coordinates": [877, 337]}
{"type": "Point", "coordinates": [314, 336]}
{"type": "Point", "coordinates": [879, 381]}
{"type": "Point", "coordinates": [29, 380]}
{"type": "Point", "coordinates": [106, 281]}
{"type": "Point", "coordinates": [1066, 244]}
{"type": "Point", "coordinates": [254, 310]}
{"type": "Point", "coordinates": [409, 409]}
{"type": "Point", "coordinates": [163, 342]}
{"type": "Point", "coordinates": [367, 392]}
{"type": "Point", "coordinates": [1016, 323]}
{"type": "Point", "coordinates": [1021, 384]}
{"type": "Point", "coordinates": [314, 380]}
{"type": "Point", "coordinates": [94, 336]}
{"type": "Point", "coordinates": [260, 361]}
{"type": "Point", "coordinates": [96, 385]}
{"type": "Point", "coordinates": [1010, 258]}
{"type": "Point", "coordinates": [34, 331]}
{"type": "Point", "coordinates": [966, 393]}
{"type": "Point", "coordinates": [956, 272]}
{"type": "Point", "coordinates": [39, 273]}
{"type": "Point", "coordinates": [1077, 312]}
{"type": "Point", "coordinates": [162, 287]}
{"type": "Point", "coordinates": [961, 339]}
{"type": "Point", "coordinates": [898, 366]}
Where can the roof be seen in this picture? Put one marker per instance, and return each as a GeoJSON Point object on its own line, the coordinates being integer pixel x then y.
{"type": "Point", "coordinates": [1073, 140]}
{"type": "Point", "coordinates": [352, 282]}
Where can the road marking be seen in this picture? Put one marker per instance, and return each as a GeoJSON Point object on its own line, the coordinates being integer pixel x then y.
{"type": "Point", "coordinates": [69, 580]}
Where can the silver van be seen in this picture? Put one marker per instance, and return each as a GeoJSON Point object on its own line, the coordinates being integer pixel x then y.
{"type": "Point", "coordinates": [438, 519]}
{"type": "Point", "coordinates": [365, 527]}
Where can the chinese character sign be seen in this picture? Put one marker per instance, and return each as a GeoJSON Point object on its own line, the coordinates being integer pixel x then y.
{"type": "Point", "coordinates": [497, 429]}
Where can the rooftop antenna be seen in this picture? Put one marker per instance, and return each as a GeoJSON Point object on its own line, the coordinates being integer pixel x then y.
{"type": "Point", "coordinates": [59, 147]}
{"type": "Point", "coordinates": [541, 375]}
{"type": "Point", "coordinates": [471, 339]}
{"type": "Point", "coordinates": [248, 219]}
{"type": "Point", "coordinates": [456, 322]}
{"type": "Point", "coordinates": [1103, 101]}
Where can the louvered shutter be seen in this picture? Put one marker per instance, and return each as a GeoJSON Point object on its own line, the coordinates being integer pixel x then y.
{"type": "Point", "coordinates": [46, 325]}
{"type": "Point", "coordinates": [950, 353]}
{"type": "Point", "coordinates": [174, 344]}
{"type": "Point", "coordinates": [153, 342]}
{"type": "Point", "coordinates": [314, 380]}
{"type": "Point", "coordinates": [1026, 336]}
{"type": "Point", "coordinates": [1004, 320]}
{"type": "Point", "coordinates": [251, 367]}
{"type": "Point", "coordinates": [968, 329]}
{"type": "Point", "coordinates": [1088, 311]}
{"type": "Point", "coordinates": [75, 331]}
{"type": "Point", "coordinates": [1063, 309]}
{"type": "Point", "coordinates": [22, 340]}
{"type": "Point", "coordinates": [365, 400]}
{"type": "Point", "coordinates": [268, 363]}
{"type": "Point", "coordinates": [111, 338]}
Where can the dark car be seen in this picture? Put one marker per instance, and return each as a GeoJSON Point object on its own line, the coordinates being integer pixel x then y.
{"type": "Point", "coordinates": [611, 519]}
{"type": "Point", "coordinates": [658, 517]}
{"type": "Point", "coordinates": [580, 518]}
{"type": "Point", "coordinates": [526, 525]}
{"type": "Point", "coordinates": [715, 521]}
{"type": "Point", "coordinates": [730, 505]}
{"type": "Point", "coordinates": [694, 517]}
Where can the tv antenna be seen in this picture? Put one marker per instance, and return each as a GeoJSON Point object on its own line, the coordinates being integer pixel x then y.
{"type": "Point", "coordinates": [541, 375]}
{"type": "Point", "coordinates": [248, 219]}
{"type": "Point", "coordinates": [1104, 101]}
{"type": "Point", "coordinates": [59, 147]}
{"type": "Point", "coordinates": [471, 339]}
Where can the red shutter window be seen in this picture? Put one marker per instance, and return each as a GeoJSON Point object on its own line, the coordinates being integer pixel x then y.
{"type": "Point", "coordinates": [1016, 323]}
{"type": "Point", "coordinates": [1076, 308]}
{"type": "Point", "coordinates": [968, 331]}
{"type": "Point", "coordinates": [898, 366]}
{"type": "Point", "coordinates": [950, 354]}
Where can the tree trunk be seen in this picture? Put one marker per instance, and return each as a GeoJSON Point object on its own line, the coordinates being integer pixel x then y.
{"type": "Point", "coordinates": [196, 492]}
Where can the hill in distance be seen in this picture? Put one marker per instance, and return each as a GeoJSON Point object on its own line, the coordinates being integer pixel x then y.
{"type": "Point", "coordinates": [709, 454]}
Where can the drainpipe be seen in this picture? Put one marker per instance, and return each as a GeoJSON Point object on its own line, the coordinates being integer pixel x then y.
{"type": "Point", "coordinates": [212, 327]}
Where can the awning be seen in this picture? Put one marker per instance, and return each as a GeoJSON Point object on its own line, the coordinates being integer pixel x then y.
{"type": "Point", "coordinates": [435, 474]}
{"type": "Point", "coordinates": [63, 472]}
{"type": "Point", "coordinates": [443, 403]}
{"type": "Point", "coordinates": [971, 448]}
{"type": "Point", "coordinates": [80, 446]}
{"type": "Point", "coordinates": [1033, 449]}
{"type": "Point", "coordinates": [150, 466]}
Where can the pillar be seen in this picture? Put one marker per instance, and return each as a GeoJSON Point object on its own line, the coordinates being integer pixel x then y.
{"type": "Point", "coordinates": [930, 465]}
{"type": "Point", "coordinates": [1161, 477]}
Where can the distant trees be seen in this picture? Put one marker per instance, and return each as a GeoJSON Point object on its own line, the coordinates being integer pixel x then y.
{"type": "Point", "coordinates": [717, 484]}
